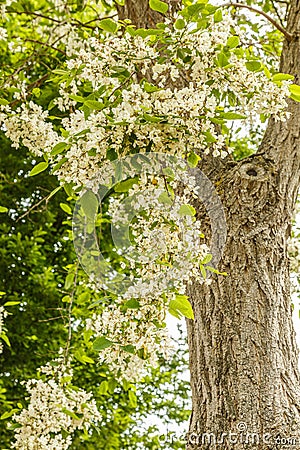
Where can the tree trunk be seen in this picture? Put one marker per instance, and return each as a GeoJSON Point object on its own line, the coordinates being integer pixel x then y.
{"type": "Point", "coordinates": [243, 357]}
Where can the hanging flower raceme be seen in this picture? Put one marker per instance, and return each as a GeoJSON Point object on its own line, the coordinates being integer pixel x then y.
{"type": "Point", "coordinates": [158, 242]}
{"type": "Point", "coordinates": [56, 410]}
{"type": "Point", "coordinates": [172, 91]}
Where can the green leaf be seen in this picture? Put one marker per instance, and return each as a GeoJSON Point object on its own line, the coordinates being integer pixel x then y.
{"type": "Point", "coordinates": [282, 77]}
{"type": "Point", "coordinates": [152, 119]}
{"type": "Point", "coordinates": [3, 209]}
{"type": "Point", "coordinates": [231, 116]}
{"type": "Point", "coordinates": [159, 6]}
{"type": "Point", "coordinates": [145, 32]}
{"type": "Point", "coordinates": [218, 16]}
{"type": "Point", "coordinates": [213, 270]}
{"type": "Point", "coordinates": [70, 414]}
{"type": "Point", "coordinates": [108, 25]}
{"type": "Point", "coordinates": [207, 259]}
{"type": "Point", "coordinates": [69, 282]}
{"type": "Point", "coordinates": [180, 306]}
{"type": "Point", "coordinates": [54, 192]}
{"type": "Point", "coordinates": [165, 198]}
{"type": "Point", "coordinates": [233, 41]}
{"type": "Point", "coordinates": [59, 148]}
{"type": "Point", "coordinates": [101, 343]}
{"type": "Point", "coordinates": [8, 414]}
{"type": "Point", "coordinates": [222, 60]}
{"type": "Point", "coordinates": [87, 359]}
{"type": "Point", "coordinates": [66, 208]}
{"type": "Point", "coordinates": [209, 137]}
{"type": "Point", "coordinates": [202, 24]}
{"type": "Point", "coordinates": [59, 164]}
{"type": "Point", "coordinates": [203, 271]}
{"type": "Point", "coordinates": [83, 298]}
{"type": "Point", "coordinates": [193, 159]}
{"type": "Point", "coordinates": [187, 210]}
{"type": "Point", "coordinates": [38, 168]}
{"type": "Point", "coordinates": [3, 102]}
{"type": "Point", "coordinates": [295, 89]}
{"type": "Point", "coordinates": [149, 87]}
{"type": "Point", "coordinates": [103, 388]}
{"type": "Point", "coordinates": [179, 24]}
{"type": "Point", "coordinates": [253, 66]}
{"type": "Point", "coordinates": [77, 98]}
{"type": "Point", "coordinates": [4, 337]}
{"type": "Point", "coordinates": [132, 399]}
{"type": "Point", "coordinates": [89, 203]}
{"type": "Point", "coordinates": [124, 186]}
{"type": "Point", "coordinates": [118, 171]}
{"type": "Point", "coordinates": [132, 304]}
{"type": "Point", "coordinates": [94, 104]}
{"type": "Point", "coordinates": [11, 303]}
{"type": "Point", "coordinates": [128, 349]}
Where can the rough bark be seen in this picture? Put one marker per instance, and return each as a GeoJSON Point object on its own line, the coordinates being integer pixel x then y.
{"type": "Point", "coordinates": [243, 356]}
{"type": "Point", "coordinates": [141, 15]}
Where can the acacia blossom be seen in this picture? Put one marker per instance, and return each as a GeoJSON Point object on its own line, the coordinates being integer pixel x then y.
{"type": "Point", "coordinates": [56, 410]}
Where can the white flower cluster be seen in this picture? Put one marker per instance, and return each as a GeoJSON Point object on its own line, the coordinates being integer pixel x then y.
{"type": "Point", "coordinates": [55, 411]}
{"type": "Point", "coordinates": [137, 334]}
{"type": "Point", "coordinates": [164, 255]}
{"type": "Point", "coordinates": [3, 314]}
{"type": "Point", "coordinates": [144, 95]}
{"type": "Point", "coordinates": [166, 248]}
{"type": "Point", "coordinates": [4, 6]}
{"type": "Point", "coordinates": [3, 34]}
{"type": "Point", "coordinates": [29, 125]}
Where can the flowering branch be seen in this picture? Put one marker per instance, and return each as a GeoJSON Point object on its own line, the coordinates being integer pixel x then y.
{"type": "Point", "coordinates": [287, 35]}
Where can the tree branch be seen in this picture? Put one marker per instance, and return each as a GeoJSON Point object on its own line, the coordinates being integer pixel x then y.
{"type": "Point", "coordinates": [32, 13]}
{"type": "Point", "coordinates": [277, 25]}
{"type": "Point", "coordinates": [277, 13]}
{"type": "Point", "coordinates": [46, 45]}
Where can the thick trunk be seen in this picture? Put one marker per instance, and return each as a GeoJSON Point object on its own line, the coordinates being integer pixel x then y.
{"type": "Point", "coordinates": [141, 15]}
{"type": "Point", "coordinates": [243, 356]}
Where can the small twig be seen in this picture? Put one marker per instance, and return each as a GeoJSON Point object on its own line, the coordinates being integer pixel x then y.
{"type": "Point", "coordinates": [99, 18]}
{"type": "Point", "coordinates": [277, 13]}
{"type": "Point", "coordinates": [31, 13]}
{"type": "Point", "coordinates": [166, 186]}
{"type": "Point", "coordinates": [32, 208]}
{"type": "Point", "coordinates": [277, 25]}
{"type": "Point", "coordinates": [44, 199]}
{"type": "Point", "coordinates": [46, 45]}
{"type": "Point", "coordinates": [52, 318]}
{"type": "Point", "coordinates": [68, 343]}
